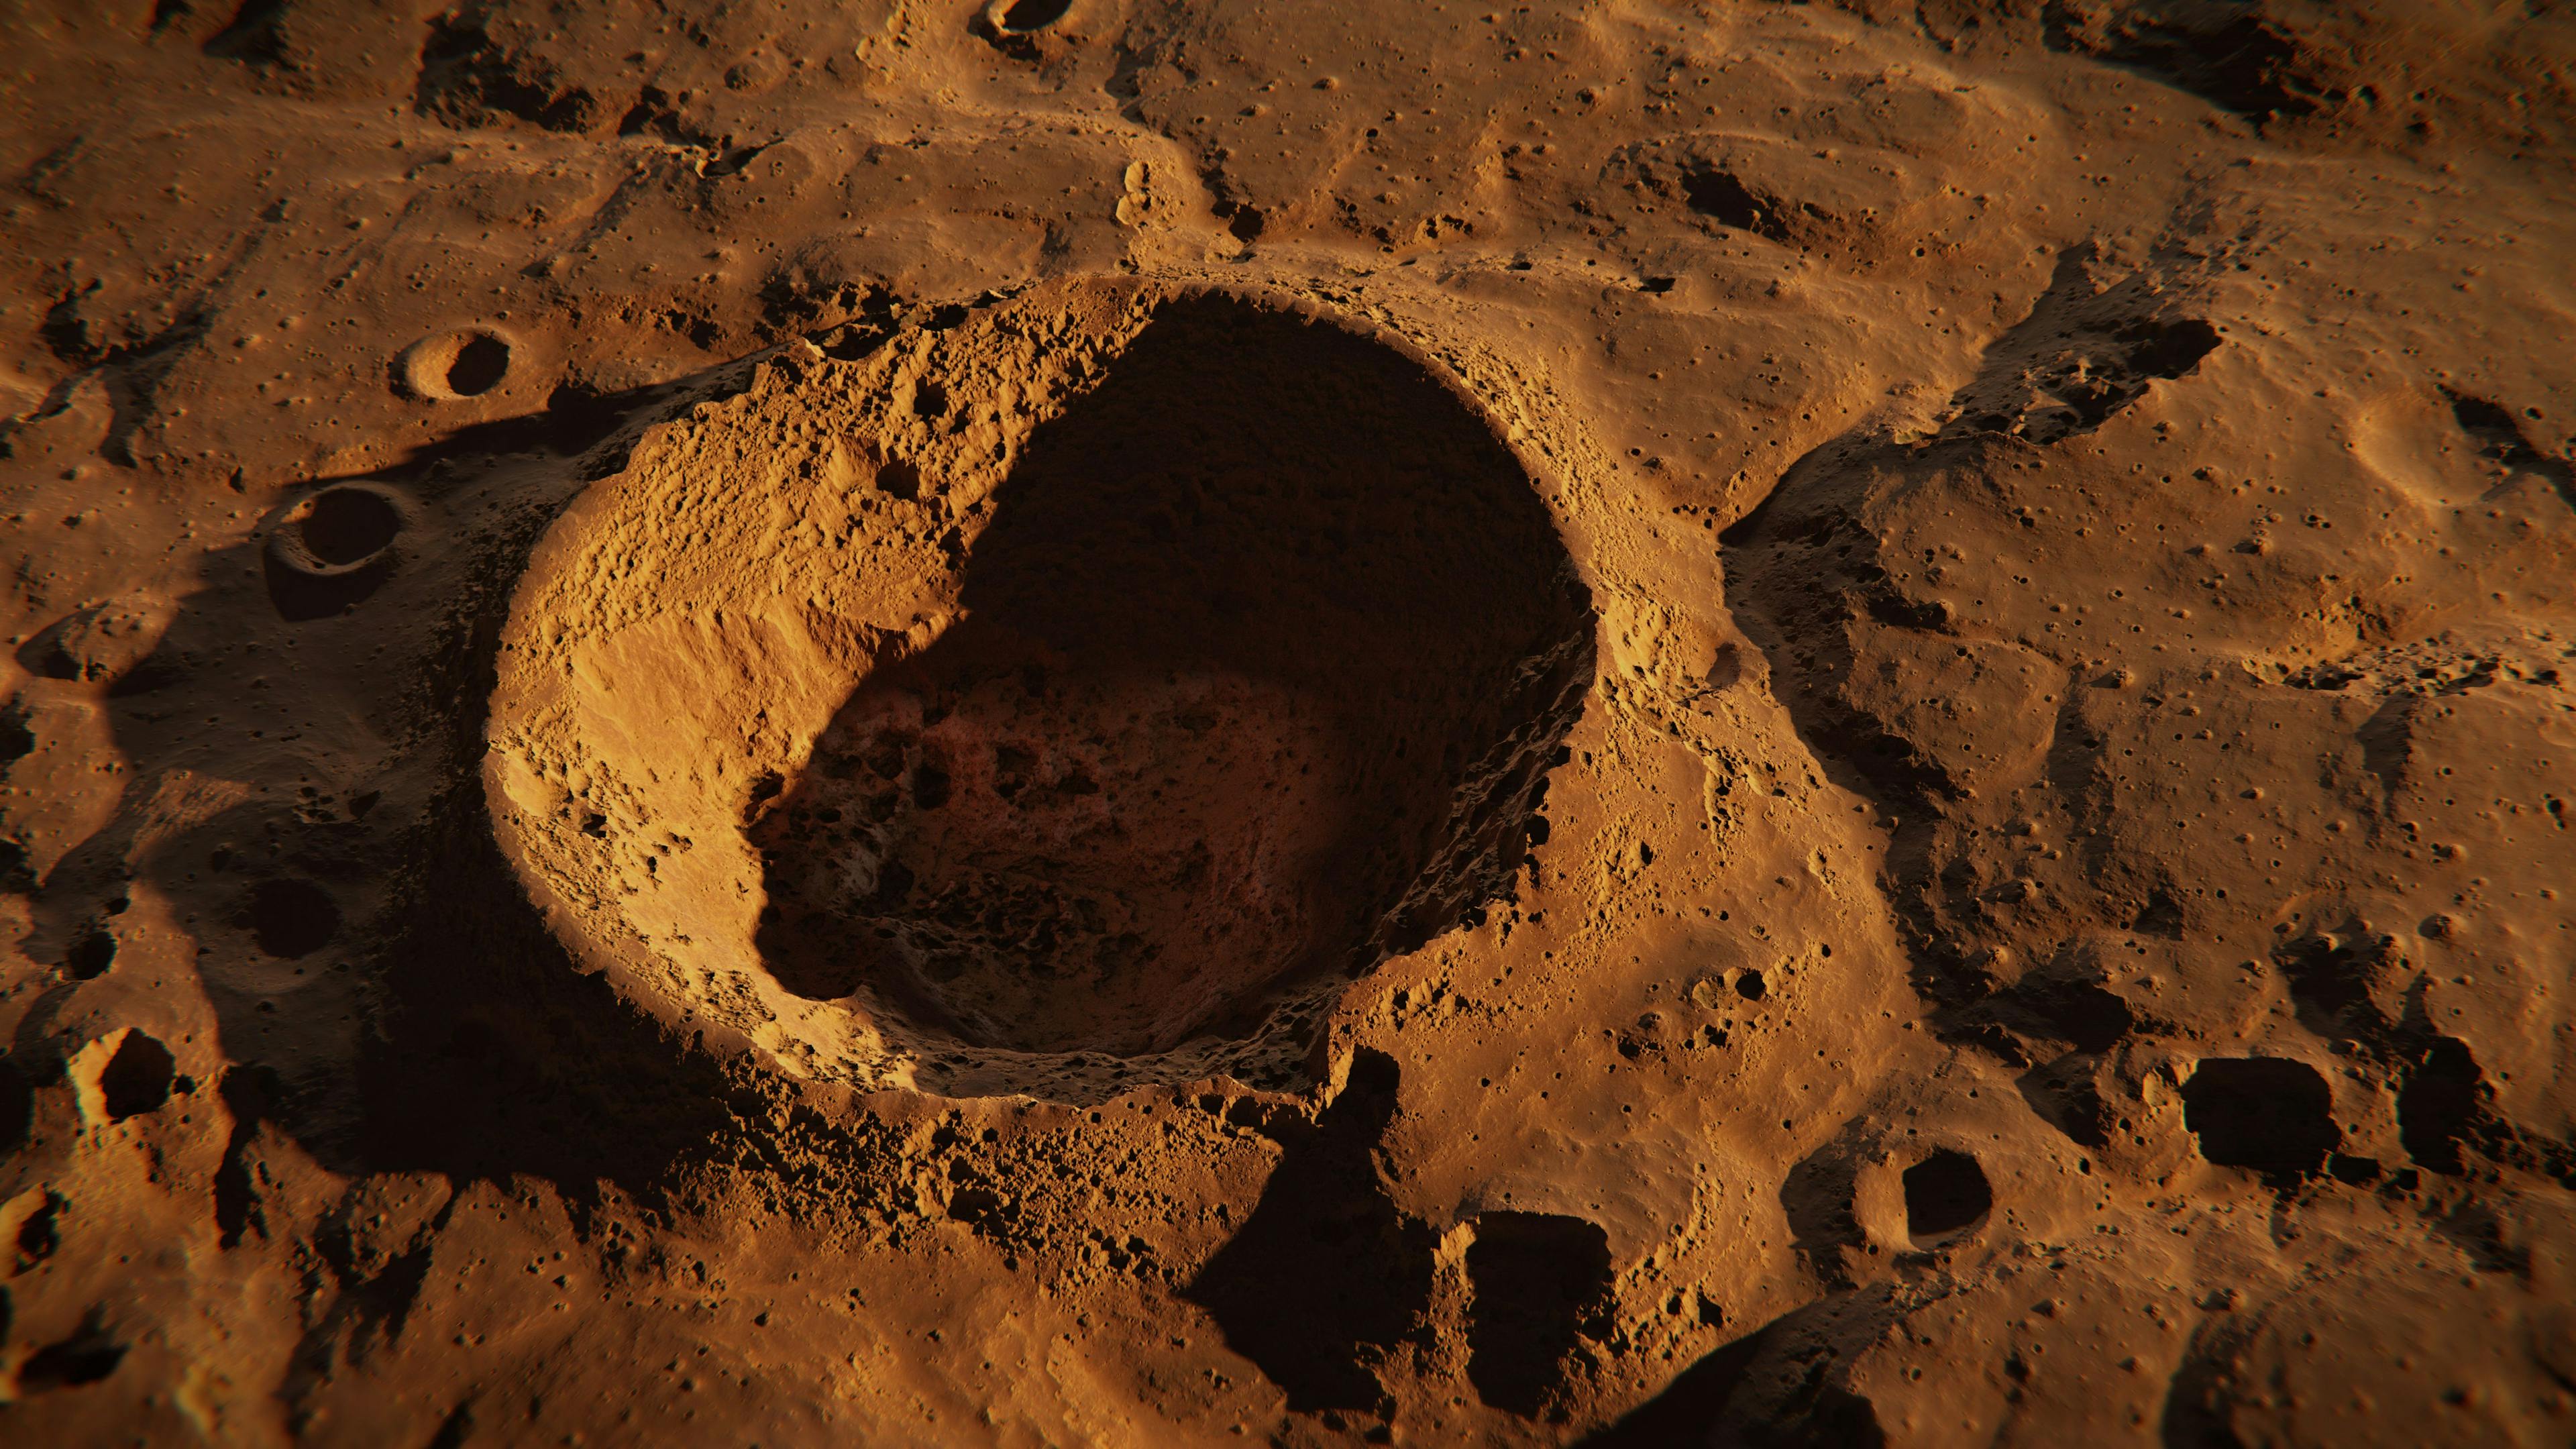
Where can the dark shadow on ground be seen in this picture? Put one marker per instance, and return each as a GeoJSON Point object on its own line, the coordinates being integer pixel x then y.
{"type": "Point", "coordinates": [1262, 655]}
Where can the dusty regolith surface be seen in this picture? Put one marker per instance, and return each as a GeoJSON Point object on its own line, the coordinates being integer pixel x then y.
{"type": "Point", "coordinates": [1138, 722]}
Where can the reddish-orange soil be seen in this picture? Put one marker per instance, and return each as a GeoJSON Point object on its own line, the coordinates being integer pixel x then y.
{"type": "Point", "coordinates": [1140, 722]}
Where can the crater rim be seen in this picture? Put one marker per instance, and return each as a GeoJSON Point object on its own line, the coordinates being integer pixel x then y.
{"type": "Point", "coordinates": [869, 1047]}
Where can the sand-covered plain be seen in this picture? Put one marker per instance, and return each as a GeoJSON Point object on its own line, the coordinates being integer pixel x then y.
{"type": "Point", "coordinates": [1149, 723]}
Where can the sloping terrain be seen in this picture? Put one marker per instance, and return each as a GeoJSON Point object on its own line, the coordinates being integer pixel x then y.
{"type": "Point", "coordinates": [1134, 722]}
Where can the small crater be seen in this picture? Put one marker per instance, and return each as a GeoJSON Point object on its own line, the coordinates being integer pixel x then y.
{"type": "Point", "coordinates": [1723, 197]}
{"type": "Point", "coordinates": [137, 1079]}
{"type": "Point", "coordinates": [1020, 17]}
{"type": "Point", "coordinates": [40, 1232]}
{"type": "Point", "coordinates": [91, 953]}
{"type": "Point", "coordinates": [2160, 915]}
{"type": "Point", "coordinates": [479, 366]}
{"type": "Point", "coordinates": [1945, 1193]}
{"type": "Point", "coordinates": [2332, 975]}
{"type": "Point", "coordinates": [454, 366]}
{"type": "Point", "coordinates": [84, 1358]}
{"type": "Point", "coordinates": [1750, 986]}
{"type": "Point", "coordinates": [2266, 1113]}
{"type": "Point", "coordinates": [348, 525]}
{"type": "Point", "coordinates": [1541, 1282]}
{"type": "Point", "coordinates": [1019, 28]}
{"type": "Point", "coordinates": [291, 918]}
{"type": "Point", "coordinates": [2439, 1104]}
{"type": "Point", "coordinates": [333, 550]}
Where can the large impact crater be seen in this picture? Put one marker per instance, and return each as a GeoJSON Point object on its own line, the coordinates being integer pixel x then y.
{"type": "Point", "coordinates": [1076, 694]}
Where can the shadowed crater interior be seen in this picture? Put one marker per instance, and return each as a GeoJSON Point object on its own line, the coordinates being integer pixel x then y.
{"type": "Point", "coordinates": [1260, 659]}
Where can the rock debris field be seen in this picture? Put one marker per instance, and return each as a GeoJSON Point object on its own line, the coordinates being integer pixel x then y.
{"type": "Point", "coordinates": [1145, 722]}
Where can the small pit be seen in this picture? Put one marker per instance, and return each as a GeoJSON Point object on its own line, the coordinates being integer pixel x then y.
{"type": "Point", "coordinates": [289, 918]}
{"type": "Point", "coordinates": [1259, 657]}
{"type": "Point", "coordinates": [1945, 1194]}
{"type": "Point", "coordinates": [479, 366]}
{"type": "Point", "coordinates": [454, 366]}
{"type": "Point", "coordinates": [1020, 17]}
{"type": "Point", "coordinates": [2270, 1114]}
{"type": "Point", "coordinates": [1021, 29]}
{"type": "Point", "coordinates": [349, 525]}
{"type": "Point", "coordinates": [137, 1079]}
{"type": "Point", "coordinates": [91, 953]}
{"type": "Point", "coordinates": [333, 550]}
